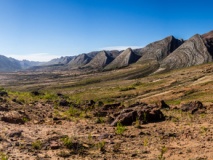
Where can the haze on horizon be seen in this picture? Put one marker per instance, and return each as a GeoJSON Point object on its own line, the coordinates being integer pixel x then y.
{"type": "Point", "coordinates": [41, 30]}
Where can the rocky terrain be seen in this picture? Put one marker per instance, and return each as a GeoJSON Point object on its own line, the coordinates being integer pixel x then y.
{"type": "Point", "coordinates": [104, 115]}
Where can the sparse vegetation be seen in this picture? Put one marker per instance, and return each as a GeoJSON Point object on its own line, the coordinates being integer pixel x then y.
{"type": "Point", "coordinates": [162, 152]}
{"type": "Point", "coordinates": [101, 146]}
{"type": "Point", "coordinates": [3, 156]}
{"type": "Point", "coordinates": [67, 142]}
{"type": "Point", "coordinates": [120, 129]}
{"type": "Point", "coordinates": [37, 145]}
{"type": "Point", "coordinates": [49, 121]}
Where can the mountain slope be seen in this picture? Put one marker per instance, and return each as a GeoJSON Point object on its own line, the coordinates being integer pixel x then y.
{"type": "Point", "coordinates": [79, 61]}
{"type": "Point", "coordinates": [192, 52]}
{"type": "Point", "coordinates": [160, 49]}
{"type": "Point", "coordinates": [9, 64]}
{"type": "Point", "coordinates": [61, 60]}
{"type": "Point", "coordinates": [100, 60]}
{"type": "Point", "coordinates": [124, 59]}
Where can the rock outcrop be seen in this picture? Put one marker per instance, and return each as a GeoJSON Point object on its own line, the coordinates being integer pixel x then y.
{"type": "Point", "coordinates": [141, 112]}
{"type": "Point", "coordinates": [126, 58]}
{"type": "Point", "coordinates": [193, 107]}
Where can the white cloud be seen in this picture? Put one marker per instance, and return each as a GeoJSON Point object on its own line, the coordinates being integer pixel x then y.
{"type": "Point", "coordinates": [120, 47]}
{"type": "Point", "coordinates": [41, 57]}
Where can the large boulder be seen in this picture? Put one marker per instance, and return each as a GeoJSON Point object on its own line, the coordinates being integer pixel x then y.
{"type": "Point", "coordinates": [107, 109]}
{"type": "Point", "coordinates": [141, 112]}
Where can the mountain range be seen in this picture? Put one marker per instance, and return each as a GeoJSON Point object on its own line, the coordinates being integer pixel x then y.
{"type": "Point", "coordinates": [169, 53]}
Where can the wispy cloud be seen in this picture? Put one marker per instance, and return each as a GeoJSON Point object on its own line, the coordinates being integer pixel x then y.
{"type": "Point", "coordinates": [42, 57]}
{"type": "Point", "coordinates": [120, 47]}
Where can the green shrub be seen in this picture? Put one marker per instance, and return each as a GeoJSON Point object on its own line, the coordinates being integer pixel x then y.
{"type": "Point", "coordinates": [119, 128]}
{"type": "Point", "coordinates": [101, 146]}
{"type": "Point", "coordinates": [162, 152]}
{"type": "Point", "coordinates": [67, 142]}
{"type": "Point", "coordinates": [37, 145]}
{"type": "Point", "coordinates": [3, 156]}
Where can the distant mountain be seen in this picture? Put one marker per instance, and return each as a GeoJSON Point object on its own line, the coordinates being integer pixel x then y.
{"type": "Point", "coordinates": [61, 60]}
{"type": "Point", "coordinates": [9, 64]}
{"type": "Point", "coordinates": [102, 59]}
{"type": "Point", "coordinates": [191, 52]}
{"type": "Point", "coordinates": [166, 54]}
{"type": "Point", "coordinates": [79, 61]}
{"type": "Point", "coordinates": [124, 59]}
{"type": "Point", "coordinates": [25, 64]}
{"type": "Point", "coordinates": [159, 50]}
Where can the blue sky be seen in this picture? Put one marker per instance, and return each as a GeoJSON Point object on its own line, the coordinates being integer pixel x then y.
{"type": "Point", "coordinates": [45, 29]}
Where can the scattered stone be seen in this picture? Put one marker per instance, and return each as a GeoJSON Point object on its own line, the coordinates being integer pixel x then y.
{"type": "Point", "coordinates": [3, 93]}
{"type": "Point", "coordinates": [193, 107]}
{"type": "Point", "coordinates": [162, 104]}
{"type": "Point", "coordinates": [16, 133]}
{"type": "Point", "coordinates": [60, 95]}
{"type": "Point", "coordinates": [54, 145]}
{"type": "Point", "coordinates": [64, 102]}
{"type": "Point", "coordinates": [3, 108]}
{"type": "Point", "coordinates": [35, 93]}
{"type": "Point", "coordinates": [90, 103]}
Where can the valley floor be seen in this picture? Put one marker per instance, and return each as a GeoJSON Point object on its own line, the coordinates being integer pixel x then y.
{"type": "Point", "coordinates": [49, 115]}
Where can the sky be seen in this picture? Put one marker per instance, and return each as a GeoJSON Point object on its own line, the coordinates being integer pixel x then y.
{"type": "Point", "coordinates": [41, 30]}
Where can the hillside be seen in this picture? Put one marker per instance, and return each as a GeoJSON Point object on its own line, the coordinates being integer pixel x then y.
{"type": "Point", "coordinates": [190, 53]}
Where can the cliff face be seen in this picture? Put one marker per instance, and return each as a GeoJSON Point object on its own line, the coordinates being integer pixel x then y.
{"type": "Point", "coordinates": [192, 52]}
{"type": "Point", "coordinates": [208, 41]}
